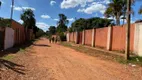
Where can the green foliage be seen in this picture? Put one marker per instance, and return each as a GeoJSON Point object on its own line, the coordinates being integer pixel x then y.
{"type": "Point", "coordinates": [39, 33]}
{"type": "Point", "coordinates": [140, 11]}
{"type": "Point", "coordinates": [0, 3]}
{"type": "Point", "coordinates": [28, 18]}
{"type": "Point", "coordinates": [4, 22]}
{"type": "Point", "coordinates": [90, 23]}
{"type": "Point", "coordinates": [116, 9]}
{"type": "Point", "coordinates": [62, 23]}
{"type": "Point", "coordinates": [62, 26]}
{"type": "Point", "coordinates": [52, 30]}
{"type": "Point", "coordinates": [62, 36]}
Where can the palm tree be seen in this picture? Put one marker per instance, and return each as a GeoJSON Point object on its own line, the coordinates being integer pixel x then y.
{"type": "Point", "coordinates": [115, 9]}
{"type": "Point", "coordinates": [62, 23]}
{"type": "Point", "coordinates": [29, 21]}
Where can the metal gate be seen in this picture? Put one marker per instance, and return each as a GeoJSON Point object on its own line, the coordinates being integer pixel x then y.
{"type": "Point", "coordinates": [1, 39]}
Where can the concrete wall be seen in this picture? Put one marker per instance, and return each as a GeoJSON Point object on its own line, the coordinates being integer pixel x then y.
{"type": "Point", "coordinates": [9, 38]}
{"type": "Point", "coordinates": [138, 39]}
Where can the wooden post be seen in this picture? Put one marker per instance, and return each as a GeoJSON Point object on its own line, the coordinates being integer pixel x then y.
{"type": "Point", "coordinates": [127, 52]}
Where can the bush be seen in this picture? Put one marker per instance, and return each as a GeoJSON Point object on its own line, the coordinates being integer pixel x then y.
{"type": "Point", "coordinates": [62, 36]}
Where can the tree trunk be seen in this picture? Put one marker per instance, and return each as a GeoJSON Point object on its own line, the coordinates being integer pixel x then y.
{"type": "Point", "coordinates": [117, 19]}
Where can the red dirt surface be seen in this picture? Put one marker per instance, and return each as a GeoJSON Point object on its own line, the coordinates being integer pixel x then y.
{"type": "Point", "coordinates": [45, 61]}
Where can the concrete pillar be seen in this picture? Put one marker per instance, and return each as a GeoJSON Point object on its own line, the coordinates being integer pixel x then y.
{"type": "Point", "coordinates": [83, 37]}
{"type": "Point", "coordinates": [76, 39]}
{"type": "Point", "coordinates": [109, 38]}
{"type": "Point", "coordinates": [93, 37]}
{"type": "Point", "coordinates": [67, 36]}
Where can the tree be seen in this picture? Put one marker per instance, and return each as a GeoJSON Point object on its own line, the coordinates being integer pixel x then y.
{"type": "Point", "coordinates": [90, 23]}
{"type": "Point", "coordinates": [0, 3]}
{"type": "Point", "coordinates": [140, 11]}
{"type": "Point", "coordinates": [116, 9]}
{"type": "Point", "coordinates": [79, 25]}
{"type": "Point", "coordinates": [62, 23]}
{"type": "Point", "coordinates": [52, 30]}
{"type": "Point", "coordinates": [62, 26]}
{"type": "Point", "coordinates": [29, 21]}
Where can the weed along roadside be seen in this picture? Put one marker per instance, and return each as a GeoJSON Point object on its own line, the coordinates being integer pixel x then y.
{"type": "Point", "coordinates": [103, 54]}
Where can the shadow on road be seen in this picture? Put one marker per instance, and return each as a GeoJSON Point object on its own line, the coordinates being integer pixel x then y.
{"type": "Point", "coordinates": [13, 66]}
{"type": "Point", "coordinates": [42, 45]}
{"type": "Point", "coordinates": [15, 49]}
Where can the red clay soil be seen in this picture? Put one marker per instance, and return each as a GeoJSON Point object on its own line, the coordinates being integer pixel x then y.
{"type": "Point", "coordinates": [45, 61]}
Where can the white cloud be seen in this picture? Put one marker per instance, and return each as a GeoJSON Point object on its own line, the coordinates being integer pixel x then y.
{"type": "Point", "coordinates": [29, 8]}
{"type": "Point", "coordinates": [56, 19]}
{"type": "Point", "coordinates": [20, 21]}
{"type": "Point", "coordinates": [74, 3]}
{"type": "Point", "coordinates": [42, 26]}
{"type": "Point", "coordinates": [18, 8]}
{"type": "Point", "coordinates": [45, 16]}
{"type": "Point", "coordinates": [52, 2]}
{"type": "Point", "coordinates": [94, 7]}
{"type": "Point", "coordinates": [70, 19]}
{"type": "Point", "coordinates": [23, 8]}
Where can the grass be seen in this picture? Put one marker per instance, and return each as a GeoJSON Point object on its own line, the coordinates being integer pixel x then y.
{"type": "Point", "coordinates": [8, 57]}
{"type": "Point", "coordinates": [103, 55]}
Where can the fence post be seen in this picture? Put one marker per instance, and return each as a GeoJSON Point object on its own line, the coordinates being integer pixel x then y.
{"type": "Point", "coordinates": [109, 38]}
{"type": "Point", "coordinates": [93, 37]}
{"type": "Point", "coordinates": [83, 37]}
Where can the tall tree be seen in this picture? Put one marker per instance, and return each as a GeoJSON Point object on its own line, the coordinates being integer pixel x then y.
{"type": "Point", "coordinates": [116, 9]}
{"type": "Point", "coordinates": [29, 21]}
{"type": "Point", "coordinates": [62, 23]}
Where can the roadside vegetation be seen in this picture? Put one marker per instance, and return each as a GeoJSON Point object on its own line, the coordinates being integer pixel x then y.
{"type": "Point", "coordinates": [103, 55]}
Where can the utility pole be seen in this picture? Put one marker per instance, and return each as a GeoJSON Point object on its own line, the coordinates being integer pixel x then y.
{"type": "Point", "coordinates": [127, 47]}
{"type": "Point", "coordinates": [12, 12]}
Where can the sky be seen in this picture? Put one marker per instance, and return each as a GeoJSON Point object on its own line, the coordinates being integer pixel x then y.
{"type": "Point", "coordinates": [46, 11]}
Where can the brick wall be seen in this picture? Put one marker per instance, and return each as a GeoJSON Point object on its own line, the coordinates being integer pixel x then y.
{"type": "Point", "coordinates": [119, 37]}
{"type": "Point", "coordinates": [80, 37]}
{"type": "Point", "coordinates": [19, 32]}
{"type": "Point", "coordinates": [101, 37]}
{"type": "Point", "coordinates": [88, 37]}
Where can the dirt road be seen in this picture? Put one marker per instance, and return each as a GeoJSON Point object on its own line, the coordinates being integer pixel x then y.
{"type": "Point", "coordinates": [44, 61]}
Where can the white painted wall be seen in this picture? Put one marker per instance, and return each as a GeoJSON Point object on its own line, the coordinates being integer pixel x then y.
{"type": "Point", "coordinates": [138, 39]}
{"type": "Point", "coordinates": [9, 38]}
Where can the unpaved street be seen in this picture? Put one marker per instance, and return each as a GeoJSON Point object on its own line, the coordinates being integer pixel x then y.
{"type": "Point", "coordinates": [44, 61]}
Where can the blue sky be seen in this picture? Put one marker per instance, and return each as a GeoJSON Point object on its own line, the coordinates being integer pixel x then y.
{"type": "Point", "coordinates": [46, 11]}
